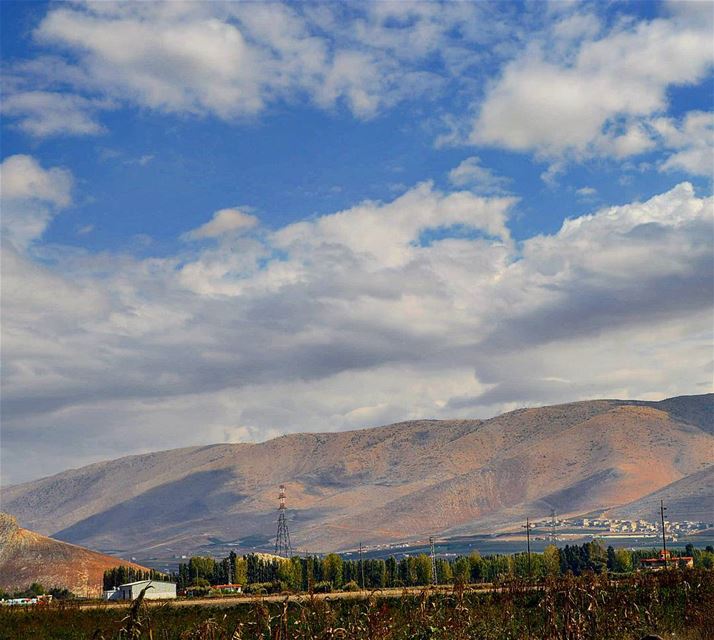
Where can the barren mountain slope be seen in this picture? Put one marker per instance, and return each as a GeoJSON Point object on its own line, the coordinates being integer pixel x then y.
{"type": "Point", "coordinates": [379, 484]}
{"type": "Point", "coordinates": [691, 498]}
{"type": "Point", "coordinates": [27, 557]}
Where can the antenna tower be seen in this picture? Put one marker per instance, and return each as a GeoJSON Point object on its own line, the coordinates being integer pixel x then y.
{"type": "Point", "coordinates": [282, 539]}
{"type": "Point", "coordinates": [433, 561]}
{"type": "Point", "coordinates": [553, 527]}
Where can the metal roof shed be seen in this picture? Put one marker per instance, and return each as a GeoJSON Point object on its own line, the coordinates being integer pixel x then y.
{"type": "Point", "coordinates": [158, 590]}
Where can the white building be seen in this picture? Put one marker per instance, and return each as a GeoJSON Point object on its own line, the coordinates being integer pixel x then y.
{"type": "Point", "coordinates": [158, 590]}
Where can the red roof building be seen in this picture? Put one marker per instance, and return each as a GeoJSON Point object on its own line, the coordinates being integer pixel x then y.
{"type": "Point", "coordinates": [666, 559]}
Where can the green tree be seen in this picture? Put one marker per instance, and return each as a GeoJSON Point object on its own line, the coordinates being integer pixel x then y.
{"type": "Point", "coordinates": [596, 556]}
{"type": "Point", "coordinates": [391, 568]}
{"type": "Point", "coordinates": [551, 560]}
{"type": "Point", "coordinates": [476, 563]}
{"type": "Point", "coordinates": [297, 573]}
{"type": "Point", "coordinates": [623, 561]}
{"type": "Point", "coordinates": [423, 569]}
{"type": "Point", "coordinates": [240, 571]}
{"type": "Point", "coordinates": [706, 559]}
{"type": "Point", "coordinates": [444, 575]}
{"type": "Point", "coordinates": [462, 570]}
{"type": "Point", "coordinates": [332, 569]}
{"type": "Point", "coordinates": [201, 567]}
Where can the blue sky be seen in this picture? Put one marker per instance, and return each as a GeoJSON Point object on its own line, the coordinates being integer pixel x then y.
{"type": "Point", "coordinates": [226, 221]}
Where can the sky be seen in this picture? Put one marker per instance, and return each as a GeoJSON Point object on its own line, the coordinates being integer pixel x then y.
{"type": "Point", "coordinates": [223, 222]}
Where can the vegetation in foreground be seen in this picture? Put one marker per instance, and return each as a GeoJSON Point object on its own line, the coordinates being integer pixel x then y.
{"type": "Point", "coordinates": [588, 607]}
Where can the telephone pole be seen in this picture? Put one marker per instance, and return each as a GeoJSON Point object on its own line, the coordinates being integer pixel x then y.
{"type": "Point", "coordinates": [527, 527]}
{"type": "Point", "coordinates": [361, 565]}
{"type": "Point", "coordinates": [662, 509]}
{"type": "Point", "coordinates": [553, 527]}
{"type": "Point", "coordinates": [434, 580]}
{"type": "Point", "coordinates": [282, 539]}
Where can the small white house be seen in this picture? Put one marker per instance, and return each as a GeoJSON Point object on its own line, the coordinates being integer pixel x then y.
{"type": "Point", "coordinates": [158, 590]}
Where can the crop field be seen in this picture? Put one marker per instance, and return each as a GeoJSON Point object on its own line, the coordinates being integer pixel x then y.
{"type": "Point", "coordinates": [674, 604]}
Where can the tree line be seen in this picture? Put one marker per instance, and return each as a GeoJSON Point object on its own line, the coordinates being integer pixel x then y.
{"type": "Point", "coordinates": [123, 574]}
{"type": "Point", "coordinates": [259, 572]}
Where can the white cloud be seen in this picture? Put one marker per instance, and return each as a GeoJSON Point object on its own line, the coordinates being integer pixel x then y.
{"type": "Point", "coordinates": [24, 179]}
{"type": "Point", "coordinates": [31, 196]}
{"type": "Point", "coordinates": [232, 60]}
{"type": "Point", "coordinates": [693, 142]}
{"type": "Point", "coordinates": [384, 234]}
{"type": "Point", "coordinates": [224, 221]}
{"type": "Point", "coordinates": [348, 320]}
{"type": "Point", "coordinates": [596, 99]}
{"type": "Point", "coordinates": [471, 172]}
{"type": "Point", "coordinates": [43, 113]}
{"type": "Point", "coordinates": [586, 192]}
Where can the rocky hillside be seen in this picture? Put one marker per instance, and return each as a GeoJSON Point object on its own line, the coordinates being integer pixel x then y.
{"type": "Point", "coordinates": [27, 557]}
{"type": "Point", "coordinates": [383, 484]}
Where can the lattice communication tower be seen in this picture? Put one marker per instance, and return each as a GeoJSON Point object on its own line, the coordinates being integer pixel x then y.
{"type": "Point", "coordinates": [282, 539]}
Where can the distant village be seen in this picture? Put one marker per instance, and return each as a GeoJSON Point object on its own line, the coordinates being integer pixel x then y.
{"type": "Point", "coordinates": [617, 528]}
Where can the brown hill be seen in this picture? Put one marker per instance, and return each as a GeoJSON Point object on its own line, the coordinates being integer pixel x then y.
{"type": "Point", "coordinates": [376, 485]}
{"type": "Point", "coordinates": [27, 557]}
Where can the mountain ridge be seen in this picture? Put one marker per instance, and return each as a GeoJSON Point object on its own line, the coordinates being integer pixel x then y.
{"type": "Point", "coordinates": [380, 484]}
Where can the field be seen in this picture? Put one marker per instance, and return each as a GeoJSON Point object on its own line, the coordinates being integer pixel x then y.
{"type": "Point", "coordinates": [673, 604]}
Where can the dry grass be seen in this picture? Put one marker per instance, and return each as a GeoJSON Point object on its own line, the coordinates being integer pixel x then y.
{"type": "Point", "coordinates": [585, 608]}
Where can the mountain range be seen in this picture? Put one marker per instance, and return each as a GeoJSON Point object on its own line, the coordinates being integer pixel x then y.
{"type": "Point", "coordinates": [386, 484]}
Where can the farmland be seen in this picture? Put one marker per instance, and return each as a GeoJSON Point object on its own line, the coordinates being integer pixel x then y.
{"type": "Point", "coordinates": [589, 607]}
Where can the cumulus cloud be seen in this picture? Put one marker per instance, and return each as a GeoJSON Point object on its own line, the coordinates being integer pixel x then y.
{"type": "Point", "coordinates": [569, 83]}
{"type": "Point", "coordinates": [45, 113]}
{"type": "Point", "coordinates": [692, 140]}
{"type": "Point", "coordinates": [223, 222]}
{"type": "Point", "coordinates": [472, 173]}
{"type": "Point", "coordinates": [233, 60]}
{"type": "Point", "coordinates": [595, 95]}
{"type": "Point", "coordinates": [31, 196]}
{"type": "Point", "coordinates": [352, 320]}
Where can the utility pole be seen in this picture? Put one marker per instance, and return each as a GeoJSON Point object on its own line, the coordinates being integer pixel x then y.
{"type": "Point", "coordinates": [434, 580]}
{"type": "Point", "coordinates": [553, 526]}
{"type": "Point", "coordinates": [662, 509]}
{"type": "Point", "coordinates": [527, 527]}
{"type": "Point", "coordinates": [282, 539]}
{"type": "Point", "coordinates": [361, 565]}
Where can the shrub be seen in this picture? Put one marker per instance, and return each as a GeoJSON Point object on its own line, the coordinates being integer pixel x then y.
{"type": "Point", "coordinates": [323, 587]}
{"type": "Point", "coordinates": [351, 586]}
{"type": "Point", "coordinates": [278, 586]}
